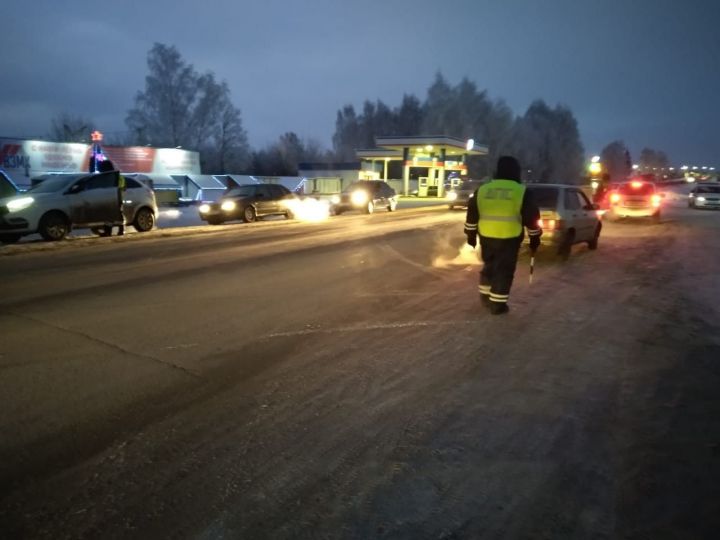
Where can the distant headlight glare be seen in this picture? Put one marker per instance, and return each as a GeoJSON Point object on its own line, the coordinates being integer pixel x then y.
{"type": "Point", "coordinates": [359, 197]}
{"type": "Point", "coordinates": [228, 206]}
{"type": "Point", "coordinates": [19, 204]}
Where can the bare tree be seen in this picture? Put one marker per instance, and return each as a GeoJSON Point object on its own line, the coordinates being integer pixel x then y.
{"type": "Point", "coordinates": [653, 159]}
{"type": "Point", "coordinates": [163, 112]}
{"type": "Point", "coordinates": [66, 127]}
{"type": "Point", "coordinates": [180, 108]}
{"type": "Point", "coordinates": [615, 158]}
{"type": "Point", "coordinates": [547, 142]}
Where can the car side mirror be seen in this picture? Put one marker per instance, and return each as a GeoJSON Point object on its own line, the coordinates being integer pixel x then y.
{"type": "Point", "coordinates": [75, 188]}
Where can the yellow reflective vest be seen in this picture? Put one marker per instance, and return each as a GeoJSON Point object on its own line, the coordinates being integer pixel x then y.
{"type": "Point", "coordinates": [499, 205]}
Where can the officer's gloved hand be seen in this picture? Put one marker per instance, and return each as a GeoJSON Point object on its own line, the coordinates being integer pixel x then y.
{"type": "Point", "coordinates": [472, 239]}
{"type": "Point", "coordinates": [534, 243]}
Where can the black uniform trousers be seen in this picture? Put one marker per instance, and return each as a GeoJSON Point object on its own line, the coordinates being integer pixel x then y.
{"type": "Point", "coordinates": [499, 256]}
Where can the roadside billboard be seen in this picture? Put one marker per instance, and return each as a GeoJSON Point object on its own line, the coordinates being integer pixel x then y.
{"type": "Point", "coordinates": [23, 159]}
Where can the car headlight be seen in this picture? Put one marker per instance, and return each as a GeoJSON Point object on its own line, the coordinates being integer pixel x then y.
{"type": "Point", "coordinates": [691, 195]}
{"type": "Point", "coordinates": [19, 204]}
{"type": "Point", "coordinates": [700, 199]}
{"type": "Point", "coordinates": [359, 197]}
{"type": "Point", "coordinates": [452, 196]}
{"type": "Point", "coordinates": [204, 208]}
{"type": "Point", "coordinates": [228, 206]}
{"type": "Point", "coordinates": [335, 199]}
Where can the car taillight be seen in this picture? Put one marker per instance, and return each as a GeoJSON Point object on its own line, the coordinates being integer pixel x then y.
{"type": "Point", "coordinates": [655, 200]}
{"type": "Point", "coordinates": [615, 198]}
{"type": "Point", "coordinates": [550, 224]}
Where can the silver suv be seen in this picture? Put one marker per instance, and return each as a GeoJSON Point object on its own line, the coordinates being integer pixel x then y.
{"type": "Point", "coordinates": [567, 215]}
{"type": "Point", "coordinates": [61, 202]}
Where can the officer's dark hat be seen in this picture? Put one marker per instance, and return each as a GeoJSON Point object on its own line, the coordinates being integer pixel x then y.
{"type": "Point", "coordinates": [508, 168]}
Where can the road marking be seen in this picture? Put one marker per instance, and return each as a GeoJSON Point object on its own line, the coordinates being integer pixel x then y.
{"type": "Point", "coordinates": [366, 327]}
{"type": "Point", "coordinates": [108, 344]}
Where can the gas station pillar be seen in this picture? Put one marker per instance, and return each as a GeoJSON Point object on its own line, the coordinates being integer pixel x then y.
{"type": "Point", "coordinates": [406, 171]}
{"type": "Point", "coordinates": [441, 173]}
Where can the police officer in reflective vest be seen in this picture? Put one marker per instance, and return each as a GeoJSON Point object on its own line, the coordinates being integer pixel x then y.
{"type": "Point", "coordinates": [499, 211]}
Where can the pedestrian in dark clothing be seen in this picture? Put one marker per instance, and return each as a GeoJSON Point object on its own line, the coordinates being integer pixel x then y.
{"type": "Point", "coordinates": [499, 211]}
{"type": "Point", "coordinates": [107, 166]}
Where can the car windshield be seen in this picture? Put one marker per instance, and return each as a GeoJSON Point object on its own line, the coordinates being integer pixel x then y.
{"type": "Point", "coordinates": [634, 188]}
{"type": "Point", "coordinates": [54, 183]}
{"type": "Point", "coordinates": [545, 197]}
{"type": "Point", "coordinates": [359, 185]}
{"type": "Point", "coordinates": [707, 189]}
{"type": "Point", "coordinates": [242, 191]}
{"type": "Point", "coordinates": [469, 185]}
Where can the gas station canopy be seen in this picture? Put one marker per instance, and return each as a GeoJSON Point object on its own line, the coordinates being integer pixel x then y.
{"type": "Point", "coordinates": [437, 154]}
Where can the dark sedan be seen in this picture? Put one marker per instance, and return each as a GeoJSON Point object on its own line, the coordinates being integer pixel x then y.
{"type": "Point", "coordinates": [248, 203]}
{"type": "Point", "coordinates": [459, 196]}
{"type": "Point", "coordinates": [366, 196]}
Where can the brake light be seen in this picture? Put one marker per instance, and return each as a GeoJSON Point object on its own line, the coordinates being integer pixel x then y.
{"type": "Point", "coordinates": [549, 224]}
{"type": "Point", "coordinates": [655, 200]}
{"type": "Point", "coordinates": [615, 198]}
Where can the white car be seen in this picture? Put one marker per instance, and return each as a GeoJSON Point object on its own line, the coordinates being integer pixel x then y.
{"type": "Point", "coordinates": [705, 196]}
{"type": "Point", "coordinates": [61, 202]}
{"type": "Point", "coordinates": [567, 217]}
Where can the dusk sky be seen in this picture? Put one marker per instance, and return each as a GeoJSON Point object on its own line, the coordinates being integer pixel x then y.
{"type": "Point", "coordinates": [646, 72]}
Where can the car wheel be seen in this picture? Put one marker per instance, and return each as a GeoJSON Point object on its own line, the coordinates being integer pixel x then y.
{"type": "Point", "coordinates": [392, 206]}
{"type": "Point", "coordinates": [249, 214]}
{"type": "Point", "coordinates": [144, 220]}
{"type": "Point", "coordinates": [451, 207]}
{"type": "Point", "coordinates": [370, 207]}
{"type": "Point", "coordinates": [565, 247]}
{"type": "Point", "coordinates": [593, 244]}
{"type": "Point", "coordinates": [54, 226]}
{"type": "Point", "coordinates": [10, 238]}
{"type": "Point", "coordinates": [289, 215]}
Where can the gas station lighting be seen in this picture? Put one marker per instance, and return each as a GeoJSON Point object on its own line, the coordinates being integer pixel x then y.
{"type": "Point", "coordinates": [470, 144]}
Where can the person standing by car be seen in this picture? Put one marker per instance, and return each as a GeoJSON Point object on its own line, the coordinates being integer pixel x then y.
{"type": "Point", "coordinates": [107, 166]}
{"type": "Point", "coordinates": [499, 212]}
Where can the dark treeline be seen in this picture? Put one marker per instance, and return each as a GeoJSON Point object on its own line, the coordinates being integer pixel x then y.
{"type": "Point", "coordinates": [545, 139]}
{"type": "Point", "coordinates": [180, 107]}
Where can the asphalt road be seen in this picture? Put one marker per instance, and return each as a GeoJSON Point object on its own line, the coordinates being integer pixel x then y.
{"type": "Point", "coordinates": [341, 380]}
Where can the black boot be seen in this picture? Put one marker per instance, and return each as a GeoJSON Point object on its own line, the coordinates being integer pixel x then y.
{"type": "Point", "coordinates": [498, 308]}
